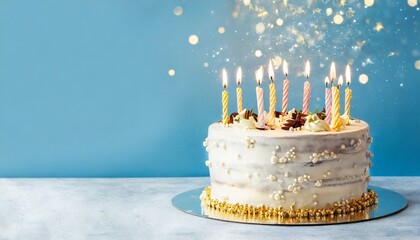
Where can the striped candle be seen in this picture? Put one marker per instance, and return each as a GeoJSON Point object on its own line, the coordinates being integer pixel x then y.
{"type": "Point", "coordinates": [225, 99]}
{"type": "Point", "coordinates": [260, 98]}
{"type": "Point", "coordinates": [285, 89]}
{"type": "Point", "coordinates": [239, 90]}
{"type": "Point", "coordinates": [273, 98]}
{"type": "Point", "coordinates": [336, 118]}
{"type": "Point", "coordinates": [327, 101]}
{"type": "Point", "coordinates": [306, 90]}
{"type": "Point", "coordinates": [348, 95]}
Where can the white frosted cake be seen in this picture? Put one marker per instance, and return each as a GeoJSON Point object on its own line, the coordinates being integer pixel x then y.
{"type": "Point", "coordinates": [306, 170]}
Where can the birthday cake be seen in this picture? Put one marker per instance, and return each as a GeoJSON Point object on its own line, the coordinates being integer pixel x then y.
{"type": "Point", "coordinates": [288, 164]}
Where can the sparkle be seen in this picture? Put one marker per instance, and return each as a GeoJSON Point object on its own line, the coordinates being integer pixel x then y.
{"type": "Point", "coordinates": [412, 3]}
{"type": "Point", "coordinates": [369, 3]}
{"type": "Point", "coordinates": [378, 27]}
{"type": "Point", "coordinates": [193, 39]}
{"type": "Point", "coordinates": [363, 78]}
{"type": "Point", "coordinates": [279, 21]}
{"type": "Point", "coordinates": [178, 11]}
{"type": "Point", "coordinates": [338, 19]}
{"type": "Point", "coordinates": [221, 30]}
{"type": "Point", "coordinates": [316, 10]}
{"type": "Point", "coordinates": [328, 11]}
{"type": "Point", "coordinates": [259, 28]}
{"type": "Point", "coordinates": [417, 64]}
{"type": "Point", "coordinates": [171, 72]}
{"type": "Point", "coordinates": [393, 54]}
{"type": "Point", "coordinates": [258, 53]}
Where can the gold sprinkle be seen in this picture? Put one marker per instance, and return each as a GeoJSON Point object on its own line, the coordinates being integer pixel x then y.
{"type": "Point", "coordinates": [266, 213]}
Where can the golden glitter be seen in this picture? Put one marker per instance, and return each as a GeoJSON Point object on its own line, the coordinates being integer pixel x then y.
{"type": "Point", "coordinates": [393, 54]}
{"type": "Point", "coordinates": [378, 27]}
{"type": "Point", "coordinates": [316, 10]}
{"type": "Point", "coordinates": [412, 3]}
{"type": "Point", "coordinates": [338, 19]}
{"type": "Point", "coordinates": [221, 30]}
{"type": "Point", "coordinates": [193, 39]}
{"type": "Point", "coordinates": [258, 53]}
{"type": "Point", "coordinates": [369, 3]}
{"type": "Point", "coordinates": [279, 21]}
{"type": "Point", "coordinates": [417, 64]}
{"type": "Point", "coordinates": [363, 78]}
{"type": "Point", "coordinates": [334, 210]}
{"type": "Point", "coordinates": [178, 11]}
{"type": "Point", "coordinates": [360, 44]}
{"type": "Point", "coordinates": [342, 3]}
{"type": "Point", "coordinates": [328, 11]}
{"type": "Point", "coordinates": [260, 28]}
{"type": "Point", "coordinates": [235, 14]}
{"type": "Point", "coordinates": [171, 72]}
{"type": "Point", "coordinates": [350, 12]}
{"type": "Point", "coordinates": [277, 61]}
{"type": "Point", "coordinates": [247, 2]}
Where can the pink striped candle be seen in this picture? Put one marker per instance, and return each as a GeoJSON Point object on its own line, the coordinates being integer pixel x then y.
{"type": "Point", "coordinates": [306, 90]}
{"type": "Point", "coordinates": [260, 98]}
{"type": "Point", "coordinates": [328, 102]}
{"type": "Point", "coordinates": [285, 89]}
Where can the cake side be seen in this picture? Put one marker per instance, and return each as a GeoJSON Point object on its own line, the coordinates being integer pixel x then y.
{"type": "Point", "coordinates": [279, 168]}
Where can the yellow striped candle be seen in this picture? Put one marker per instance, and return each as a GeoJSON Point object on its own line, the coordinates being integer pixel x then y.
{"type": "Point", "coordinates": [225, 99]}
{"type": "Point", "coordinates": [348, 95]}
{"type": "Point", "coordinates": [239, 90]}
{"type": "Point", "coordinates": [336, 118]}
{"type": "Point", "coordinates": [273, 98]}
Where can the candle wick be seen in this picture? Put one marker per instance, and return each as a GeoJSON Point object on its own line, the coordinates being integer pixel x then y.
{"type": "Point", "coordinates": [271, 78]}
{"type": "Point", "coordinates": [286, 75]}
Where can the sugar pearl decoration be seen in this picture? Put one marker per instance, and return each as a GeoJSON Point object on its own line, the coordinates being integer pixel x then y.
{"type": "Point", "coordinates": [272, 178]}
{"type": "Point", "coordinates": [318, 183]}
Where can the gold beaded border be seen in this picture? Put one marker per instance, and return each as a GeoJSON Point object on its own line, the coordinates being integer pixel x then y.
{"type": "Point", "coordinates": [264, 212]}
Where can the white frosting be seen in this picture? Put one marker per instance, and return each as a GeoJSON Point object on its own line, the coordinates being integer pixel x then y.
{"type": "Point", "coordinates": [280, 168]}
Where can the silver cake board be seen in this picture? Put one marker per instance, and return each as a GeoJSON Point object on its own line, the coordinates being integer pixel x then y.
{"type": "Point", "coordinates": [389, 203]}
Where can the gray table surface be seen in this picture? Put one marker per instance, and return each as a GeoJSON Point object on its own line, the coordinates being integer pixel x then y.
{"type": "Point", "coordinates": [140, 208]}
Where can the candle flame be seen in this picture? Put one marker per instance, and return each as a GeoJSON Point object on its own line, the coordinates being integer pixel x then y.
{"type": "Point", "coordinates": [348, 75]}
{"type": "Point", "coordinates": [327, 81]}
{"type": "Point", "coordinates": [307, 69]}
{"type": "Point", "coordinates": [340, 80]}
{"type": "Point", "coordinates": [270, 71]}
{"type": "Point", "coordinates": [259, 75]}
{"type": "Point", "coordinates": [225, 78]}
{"type": "Point", "coordinates": [239, 75]}
{"type": "Point", "coordinates": [285, 69]}
{"type": "Point", "coordinates": [332, 72]}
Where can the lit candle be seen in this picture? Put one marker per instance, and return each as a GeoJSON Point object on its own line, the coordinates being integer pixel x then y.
{"type": "Point", "coordinates": [273, 98]}
{"type": "Point", "coordinates": [327, 101]}
{"type": "Point", "coordinates": [336, 119]}
{"type": "Point", "coordinates": [285, 89]}
{"type": "Point", "coordinates": [306, 90]}
{"type": "Point", "coordinates": [348, 94]}
{"type": "Point", "coordinates": [225, 99]}
{"type": "Point", "coordinates": [239, 89]}
{"type": "Point", "coordinates": [260, 98]}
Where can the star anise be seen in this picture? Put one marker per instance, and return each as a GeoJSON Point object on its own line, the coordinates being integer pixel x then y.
{"type": "Point", "coordinates": [297, 121]}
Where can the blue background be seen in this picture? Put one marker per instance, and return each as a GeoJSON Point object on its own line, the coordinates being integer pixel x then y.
{"type": "Point", "coordinates": [85, 90]}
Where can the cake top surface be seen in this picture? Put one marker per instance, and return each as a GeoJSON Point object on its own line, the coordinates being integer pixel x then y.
{"type": "Point", "coordinates": [354, 126]}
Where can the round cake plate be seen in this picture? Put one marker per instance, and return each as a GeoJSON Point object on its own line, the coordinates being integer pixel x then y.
{"type": "Point", "coordinates": [389, 202]}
